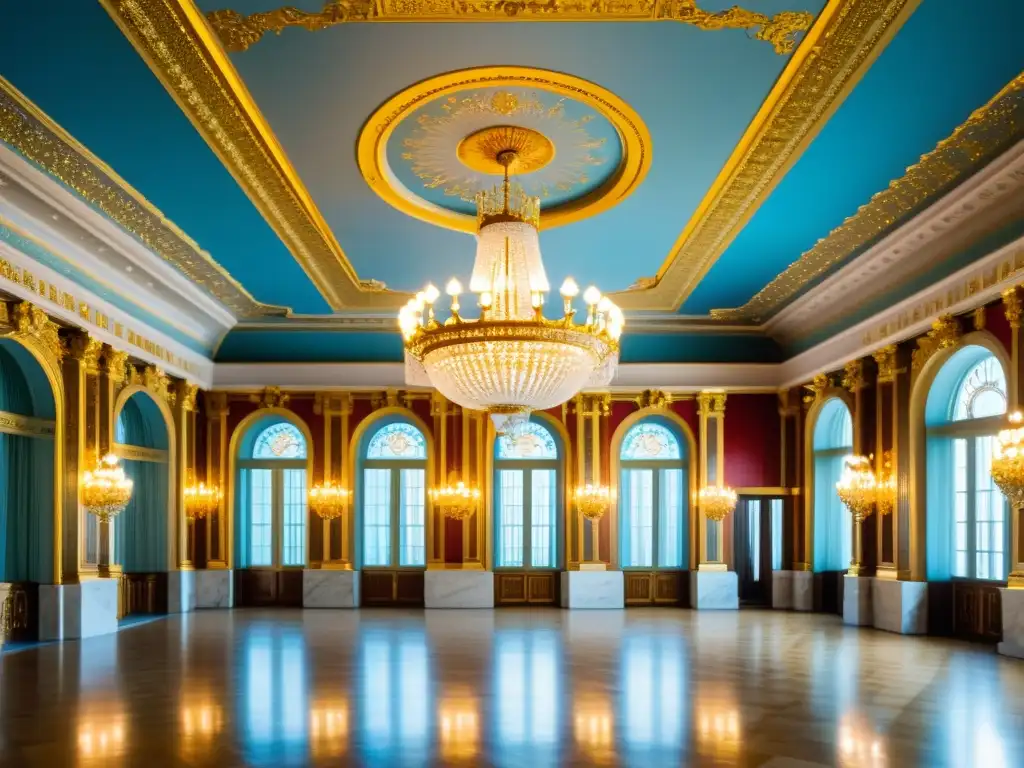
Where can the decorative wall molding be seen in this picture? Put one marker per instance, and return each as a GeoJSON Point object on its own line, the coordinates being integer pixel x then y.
{"type": "Point", "coordinates": [994, 196]}
{"type": "Point", "coordinates": [138, 453]}
{"type": "Point", "coordinates": [26, 426]}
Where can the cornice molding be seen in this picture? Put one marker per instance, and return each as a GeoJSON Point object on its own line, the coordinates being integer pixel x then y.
{"type": "Point", "coordinates": [991, 198]}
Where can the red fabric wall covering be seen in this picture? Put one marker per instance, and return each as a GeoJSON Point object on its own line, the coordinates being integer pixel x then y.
{"type": "Point", "coordinates": [752, 440]}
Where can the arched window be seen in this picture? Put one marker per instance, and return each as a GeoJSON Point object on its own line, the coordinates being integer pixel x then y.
{"type": "Point", "coordinates": [527, 498]}
{"type": "Point", "coordinates": [653, 502]}
{"type": "Point", "coordinates": [393, 497]}
{"type": "Point", "coordinates": [272, 497]}
{"type": "Point", "coordinates": [833, 523]}
{"type": "Point", "coordinates": [966, 518]}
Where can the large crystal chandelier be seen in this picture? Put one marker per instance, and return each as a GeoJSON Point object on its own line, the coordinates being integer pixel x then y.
{"type": "Point", "coordinates": [106, 490]}
{"type": "Point", "coordinates": [510, 360]}
{"type": "Point", "coordinates": [1008, 461]}
{"type": "Point", "coordinates": [857, 487]}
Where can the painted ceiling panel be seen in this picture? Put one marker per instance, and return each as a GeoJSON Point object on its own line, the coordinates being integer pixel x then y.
{"type": "Point", "coordinates": [69, 58]}
{"type": "Point", "coordinates": [941, 66]}
{"type": "Point", "coordinates": [696, 91]}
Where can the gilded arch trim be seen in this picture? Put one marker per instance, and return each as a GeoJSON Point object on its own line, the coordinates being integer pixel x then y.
{"type": "Point", "coordinates": [810, 422]}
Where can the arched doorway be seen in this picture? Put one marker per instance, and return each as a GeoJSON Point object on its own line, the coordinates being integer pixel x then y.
{"type": "Point", "coordinates": [28, 452]}
{"type": "Point", "coordinates": [143, 533]}
{"type": "Point", "coordinates": [833, 523]}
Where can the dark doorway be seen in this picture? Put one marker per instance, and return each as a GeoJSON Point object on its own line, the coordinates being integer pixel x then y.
{"type": "Point", "coordinates": [757, 531]}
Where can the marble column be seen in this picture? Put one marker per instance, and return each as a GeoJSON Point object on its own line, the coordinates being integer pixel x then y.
{"type": "Point", "coordinates": [458, 589]}
{"type": "Point", "coordinates": [593, 589]}
{"type": "Point", "coordinates": [215, 588]}
{"type": "Point", "coordinates": [330, 588]}
{"type": "Point", "coordinates": [900, 606]}
{"type": "Point", "coordinates": [1013, 623]}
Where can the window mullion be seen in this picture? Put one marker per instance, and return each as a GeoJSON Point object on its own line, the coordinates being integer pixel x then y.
{"type": "Point", "coordinates": [656, 518]}
{"type": "Point", "coordinates": [396, 516]}
{"type": "Point", "coordinates": [972, 542]}
{"type": "Point", "coordinates": [276, 515]}
{"type": "Point", "coordinates": [527, 517]}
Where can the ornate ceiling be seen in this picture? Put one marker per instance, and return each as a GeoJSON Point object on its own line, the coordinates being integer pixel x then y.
{"type": "Point", "coordinates": [307, 165]}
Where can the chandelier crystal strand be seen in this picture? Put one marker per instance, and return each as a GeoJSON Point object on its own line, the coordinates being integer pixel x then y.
{"type": "Point", "coordinates": [593, 501]}
{"type": "Point", "coordinates": [716, 502]}
{"type": "Point", "coordinates": [511, 360]}
{"type": "Point", "coordinates": [328, 501]}
{"type": "Point", "coordinates": [1008, 461]}
{"type": "Point", "coordinates": [106, 490]}
{"type": "Point", "coordinates": [456, 500]}
{"type": "Point", "coordinates": [857, 487]}
{"type": "Point", "coordinates": [201, 500]}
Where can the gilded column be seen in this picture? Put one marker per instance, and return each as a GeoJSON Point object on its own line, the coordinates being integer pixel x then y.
{"type": "Point", "coordinates": [81, 366]}
{"type": "Point", "coordinates": [885, 359]}
{"type": "Point", "coordinates": [110, 382]}
{"type": "Point", "coordinates": [1012, 309]}
{"type": "Point", "coordinates": [218, 544]}
{"type": "Point", "coordinates": [185, 462]}
{"type": "Point", "coordinates": [900, 523]}
{"type": "Point", "coordinates": [346, 526]}
{"type": "Point", "coordinates": [711, 535]}
{"type": "Point", "coordinates": [854, 381]}
{"type": "Point", "coordinates": [575, 535]}
{"type": "Point", "coordinates": [436, 520]}
{"type": "Point", "coordinates": [788, 471]}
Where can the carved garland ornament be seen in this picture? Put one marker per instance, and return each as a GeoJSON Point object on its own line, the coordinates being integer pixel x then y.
{"type": "Point", "coordinates": [238, 32]}
{"type": "Point", "coordinates": [25, 321]}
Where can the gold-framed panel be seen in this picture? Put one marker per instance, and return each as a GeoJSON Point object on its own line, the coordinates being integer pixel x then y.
{"type": "Point", "coordinates": [371, 152]}
{"type": "Point", "coordinates": [26, 426]}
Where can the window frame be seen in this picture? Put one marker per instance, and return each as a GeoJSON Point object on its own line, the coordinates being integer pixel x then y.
{"type": "Point", "coordinates": [395, 467]}
{"type": "Point", "coordinates": [655, 466]}
{"type": "Point", "coordinates": [527, 467]}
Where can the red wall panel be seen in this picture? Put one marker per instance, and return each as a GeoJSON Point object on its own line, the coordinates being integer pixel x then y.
{"type": "Point", "coordinates": [752, 441]}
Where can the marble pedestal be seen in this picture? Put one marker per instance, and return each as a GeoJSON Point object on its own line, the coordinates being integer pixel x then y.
{"type": "Point", "coordinates": [900, 606]}
{"type": "Point", "coordinates": [215, 589]}
{"type": "Point", "coordinates": [330, 589]}
{"type": "Point", "coordinates": [1013, 623]}
{"type": "Point", "coordinates": [857, 601]}
{"type": "Point", "coordinates": [593, 590]}
{"type": "Point", "coordinates": [181, 591]}
{"type": "Point", "coordinates": [458, 589]}
{"type": "Point", "coordinates": [714, 590]}
{"type": "Point", "coordinates": [803, 590]}
{"type": "Point", "coordinates": [70, 611]}
{"type": "Point", "coordinates": [782, 590]}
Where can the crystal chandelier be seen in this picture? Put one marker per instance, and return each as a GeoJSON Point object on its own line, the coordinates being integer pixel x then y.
{"type": "Point", "coordinates": [857, 487]}
{"type": "Point", "coordinates": [511, 360]}
{"type": "Point", "coordinates": [201, 500]}
{"type": "Point", "coordinates": [456, 500]}
{"type": "Point", "coordinates": [887, 486]}
{"type": "Point", "coordinates": [328, 501]}
{"type": "Point", "coordinates": [105, 490]}
{"type": "Point", "coordinates": [1008, 461]}
{"type": "Point", "coordinates": [716, 502]}
{"type": "Point", "coordinates": [593, 501]}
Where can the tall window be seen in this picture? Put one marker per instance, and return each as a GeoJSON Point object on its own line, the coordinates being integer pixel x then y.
{"type": "Point", "coordinates": [833, 523]}
{"type": "Point", "coordinates": [653, 501]}
{"type": "Point", "coordinates": [967, 517]}
{"type": "Point", "coordinates": [272, 499]}
{"type": "Point", "coordinates": [527, 499]}
{"type": "Point", "coordinates": [393, 499]}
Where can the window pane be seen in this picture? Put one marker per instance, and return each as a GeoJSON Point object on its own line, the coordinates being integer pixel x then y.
{"type": "Point", "coordinates": [413, 521]}
{"type": "Point", "coordinates": [532, 441]}
{"type": "Point", "coordinates": [280, 441]}
{"type": "Point", "coordinates": [776, 534]}
{"type": "Point", "coordinates": [982, 392]}
{"type": "Point", "coordinates": [989, 514]}
{"type": "Point", "coordinates": [543, 519]}
{"type": "Point", "coordinates": [294, 550]}
{"type": "Point", "coordinates": [649, 440]}
{"type": "Point", "coordinates": [639, 517]}
{"type": "Point", "coordinates": [754, 538]}
{"type": "Point", "coordinates": [261, 507]}
{"type": "Point", "coordinates": [510, 518]}
{"type": "Point", "coordinates": [397, 441]}
{"type": "Point", "coordinates": [670, 518]}
{"type": "Point", "coordinates": [376, 517]}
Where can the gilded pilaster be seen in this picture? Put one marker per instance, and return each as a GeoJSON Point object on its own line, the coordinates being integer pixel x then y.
{"type": "Point", "coordinates": [111, 379]}
{"type": "Point", "coordinates": [218, 543]}
{"type": "Point", "coordinates": [885, 398]}
{"type": "Point", "coordinates": [335, 410]}
{"type": "Point", "coordinates": [854, 380]}
{"type": "Point", "coordinates": [712, 535]}
{"type": "Point", "coordinates": [80, 365]}
{"type": "Point", "coordinates": [436, 520]}
{"type": "Point", "coordinates": [901, 514]}
{"type": "Point", "coordinates": [1012, 309]}
{"type": "Point", "coordinates": [185, 423]}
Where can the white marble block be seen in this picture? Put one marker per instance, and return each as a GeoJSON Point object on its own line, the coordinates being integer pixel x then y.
{"type": "Point", "coordinates": [330, 589]}
{"type": "Point", "coordinates": [782, 590]}
{"type": "Point", "coordinates": [803, 590]}
{"type": "Point", "coordinates": [593, 589]}
{"type": "Point", "coordinates": [1013, 623]}
{"type": "Point", "coordinates": [714, 590]}
{"type": "Point", "coordinates": [71, 611]}
{"type": "Point", "coordinates": [857, 602]}
{"type": "Point", "coordinates": [458, 589]}
{"type": "Point", "coordinates": [181, 591]}
{"type": "Point", "coordinates": [215, 589]}
{"type": "Point", "coordinates": [900, 606]}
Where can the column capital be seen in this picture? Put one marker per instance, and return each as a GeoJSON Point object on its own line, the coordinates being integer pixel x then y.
{"type": "Point", "coordinates": [853, 376]}
{"type": "Point", "coordinates": [1012, 306]}
{"type": "Point", "coordinates": [885, 359]}
{"type": "Point", "coordinates": [85, 349]}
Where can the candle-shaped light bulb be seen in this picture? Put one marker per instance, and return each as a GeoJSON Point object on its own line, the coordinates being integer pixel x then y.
{"type": "Point", "coordinates": [454, 287]}
{"type": "Point", "coordinates": [419, 301]}
{"type": "Point", "coordinates": [569, 288]}
{"type": "Point", "coordinates": [430, 293]}
{"type": "Point", "coordinates": [592, 296]}
{"type": "Point", "coordinates": [535, 300]}
{"type": "Point", "coordinates": [605, 304]}
{"type": "Point", "coordinates": [486, 300]}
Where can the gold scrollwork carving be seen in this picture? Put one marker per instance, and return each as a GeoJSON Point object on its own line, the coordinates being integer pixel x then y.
{"type": "Point", "coordinates": [86, 349]}
{"type": "Point", "coordinates": [116, 364]}
{"type": "Point", "coordinates": [885, 359]}
{"type": "Point", "coordinates": [1012, 307]}
{"type": "Point", "coordinates": [156, 381]}
{"type": "Point", "coordinates": [654, 398]}
{"type": "Point", "coordinates": [187, 394]}
{"type": "Point", "coordinates": [818, 386]}
{"type": "Point", "coordinates": [24, 126]}
{"type": "Point", "coordinates": [987, 131]}
{"type": "Point", "coordinates": [271, 397]}
{"type": "Point", "coordinates": [945, 333]}
{"type": "Point", "coordinates": [853, 376]}
{"type": "Point", "coordinates": [238, 32]}
{"type": "Point", "coordinates": [25, 321]}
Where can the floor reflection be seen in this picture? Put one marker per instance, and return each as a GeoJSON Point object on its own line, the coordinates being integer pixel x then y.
{"type": "Point", "coordinates": [509, 688]}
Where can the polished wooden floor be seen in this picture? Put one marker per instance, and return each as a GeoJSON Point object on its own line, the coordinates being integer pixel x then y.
{"type": "Point", "coordinates": [645, 687]}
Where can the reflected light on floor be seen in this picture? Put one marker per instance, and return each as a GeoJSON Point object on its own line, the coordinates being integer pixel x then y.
{"type": "Point", "coordinates": [328, 728]}
{"type": "Point", "coordinates": [458, 717]}
{"type": "Point", "coordinates": [101, 737]}
{"type": "Point", "coordinates": [859, 746]}
{"type": "Point", "coordinates": [592, 726]}
{"type": "Point", "coordinates": [201, 720]}
{"type": "Point", "coordinates": [719, 730]}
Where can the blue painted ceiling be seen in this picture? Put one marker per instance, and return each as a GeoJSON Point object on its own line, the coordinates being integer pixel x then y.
{"type": "Point", "coordinates": [696, 90]}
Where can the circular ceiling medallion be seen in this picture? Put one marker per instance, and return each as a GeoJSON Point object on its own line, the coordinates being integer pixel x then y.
{"type": "Point", "coordinates": [430, 149]}
{"type": "Point", "coordinates": [481, 150]}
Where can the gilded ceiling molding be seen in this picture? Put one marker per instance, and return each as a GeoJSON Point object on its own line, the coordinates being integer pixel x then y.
{"type": "Point", "coordinates": [988, 131]}
{"type": "Point", "coordinates": [837, 50]}
{"type": "Point", "coordinates": [238, 32]}
{"type": "Point", "coordinates": [173, 38]}
{"type": "Point", "coordinates": [40, 140]}
{"type": "Point", "coordinates": [371, 150]}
